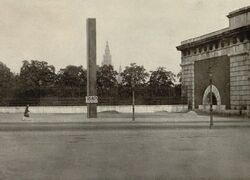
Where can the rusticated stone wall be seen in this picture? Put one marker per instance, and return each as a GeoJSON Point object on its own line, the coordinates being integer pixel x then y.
{"type": "Point", "coordinates": [232, 42]}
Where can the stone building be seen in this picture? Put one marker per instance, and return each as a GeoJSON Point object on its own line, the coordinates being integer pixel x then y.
{"type": "Point", "coordinates": [107, 56]}
{"type": "Point", "coordinates": [223, 57]}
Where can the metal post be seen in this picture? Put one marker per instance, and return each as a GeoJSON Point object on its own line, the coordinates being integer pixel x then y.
{"type": "Point", "coordinates": [133, 94]}
{"type": "Point", "coordinates": [40, 83]}
{"type": "Point", "coordinates": [39, 95]}
{"type": "Point", "coordinates": [211, 98]}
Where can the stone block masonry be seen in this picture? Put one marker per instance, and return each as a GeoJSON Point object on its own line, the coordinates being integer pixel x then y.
{"type": "Point", "coordinates": [233, 43]}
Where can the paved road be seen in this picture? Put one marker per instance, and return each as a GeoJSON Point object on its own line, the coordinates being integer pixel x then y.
{"type": "Point", "coordinates": [125, 154]}
{"type": "Point", "coordinates": [155, 146]}
{"type": "Point", "coordinates": [118, 126]}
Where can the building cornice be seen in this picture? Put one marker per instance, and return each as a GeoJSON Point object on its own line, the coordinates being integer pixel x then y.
{"type": "Point", "coordinates": [217, 35]}
{"type": "Point", "coordinates": [239, 11]}
{"type": "Point", "coordinates": [245, 53]}
{"type": "Point", "coordinates": [187, 64]}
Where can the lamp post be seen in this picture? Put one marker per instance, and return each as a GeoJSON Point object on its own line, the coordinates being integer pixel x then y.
{"type": "Point", "coordinates": [40, 83]}
{"type": "Point", "coordinates": [211, 100]}
{"type": "Point", "coordinates": [133, 97]}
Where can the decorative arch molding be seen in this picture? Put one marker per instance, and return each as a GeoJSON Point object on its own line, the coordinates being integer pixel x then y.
{"type": "Point", "coordinates": [215, 91]}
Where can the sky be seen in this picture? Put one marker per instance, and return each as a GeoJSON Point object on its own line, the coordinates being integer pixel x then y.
{"type": "Point", "coordinates": [142, 31]}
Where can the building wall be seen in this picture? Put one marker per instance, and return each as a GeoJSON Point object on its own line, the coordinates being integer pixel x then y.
{"type": "Point", "coordinates": [220, 69]}
{"type": "Point", "coordinates": [233, 42]}
{"type": "Point", "coordinates": [238, 52]}
{"type": "Point", "coordinates": [83, 109]}
{"type": "Point", "coordinates": [239, 80]}
{"type": "Point", "coordinates": [239, 18]}
{"type": "Point", "coordinates": [188, 82]}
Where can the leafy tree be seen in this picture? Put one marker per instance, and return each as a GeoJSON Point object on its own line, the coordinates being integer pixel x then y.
{"type": "Point", "coordinates": [36, 78]}
{"type": "Point", "coordinates": [71, 81]}
{"type": "Point", "coordinates": [106, 81]}
{"type": "Point", "coordinates": [7, 82]}
{"type": "Point", "coordinates": [161, 82]}
{"type": "Point", "coordinates": [134, 75]}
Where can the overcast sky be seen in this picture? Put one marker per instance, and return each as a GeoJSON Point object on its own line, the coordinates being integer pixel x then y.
{"type": "Point", "coordinates": [141, 31]}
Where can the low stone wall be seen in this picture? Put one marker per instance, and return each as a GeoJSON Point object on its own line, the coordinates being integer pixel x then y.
{"type": "Point", "coordinates": [83, 109]}
{"type": "Point", "coordinates": [215, 107]}
{"type": "Point", "coordinates": [227, 112]}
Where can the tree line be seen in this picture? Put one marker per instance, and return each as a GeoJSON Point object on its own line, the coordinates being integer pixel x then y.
{"type": "Point", "coordinates": [38, 83]}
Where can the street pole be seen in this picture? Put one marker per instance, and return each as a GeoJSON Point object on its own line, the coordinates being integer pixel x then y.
{"type": "Point", "coordinates": [40, 83]}
{"type": "Point", "coordinates": [133, 102]}
{"type": "Point", "coordinates": [211, 100]}
{"type": "Point", "coordinates": [133, 95]}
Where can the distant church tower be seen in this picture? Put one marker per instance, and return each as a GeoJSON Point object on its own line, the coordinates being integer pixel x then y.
{"type": "Point", "coordinates": [107, 56]}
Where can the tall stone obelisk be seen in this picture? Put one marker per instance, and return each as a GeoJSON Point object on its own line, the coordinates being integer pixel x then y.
{"type": "Point", "coordinates": [91, 98]}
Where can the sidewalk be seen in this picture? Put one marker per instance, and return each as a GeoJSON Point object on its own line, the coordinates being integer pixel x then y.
{"type": "Point", "coordinates": [159, 120]}
{"type": "Point", "coordinates": [116, 117]}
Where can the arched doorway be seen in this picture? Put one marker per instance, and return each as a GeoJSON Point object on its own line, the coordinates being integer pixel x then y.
{"type": "Point", "coordinates": [216, 99]}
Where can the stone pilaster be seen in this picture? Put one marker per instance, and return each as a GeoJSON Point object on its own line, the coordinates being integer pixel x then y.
{"type": "Point", "coordinates": [239, 80]}
{"type": "Point", "coordinates": [188, 82]}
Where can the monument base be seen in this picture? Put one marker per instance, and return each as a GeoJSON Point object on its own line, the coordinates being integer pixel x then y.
{"type": "Point", "coordinates": [92, 111]}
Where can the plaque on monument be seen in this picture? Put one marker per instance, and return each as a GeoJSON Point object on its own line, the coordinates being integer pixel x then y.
{"type": "Point", "coordinates": [91, 99]}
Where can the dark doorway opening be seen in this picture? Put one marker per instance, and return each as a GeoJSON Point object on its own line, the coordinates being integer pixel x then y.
{"type": "Point", "coordinates": [214, 100]}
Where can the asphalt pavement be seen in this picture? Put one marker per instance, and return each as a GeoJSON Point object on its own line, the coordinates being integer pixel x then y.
{"type": "Point", "coordinates": [118, 121]}
{"type": "Point", "coordinates": [155, 146]}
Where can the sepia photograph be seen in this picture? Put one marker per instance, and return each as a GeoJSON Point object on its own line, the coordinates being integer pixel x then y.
{"type": "Point", "coordinates": [124, 89]}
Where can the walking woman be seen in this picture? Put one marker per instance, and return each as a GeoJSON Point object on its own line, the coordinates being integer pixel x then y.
{"type": "Point", "coordinates": [26, 112]}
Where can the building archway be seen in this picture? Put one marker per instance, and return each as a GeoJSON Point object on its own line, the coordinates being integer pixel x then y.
{"type": "Point", "coordinates": [216, 99]}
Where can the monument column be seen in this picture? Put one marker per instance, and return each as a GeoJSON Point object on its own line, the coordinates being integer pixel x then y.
{"type": "Point", "coordinates": [91, 98]}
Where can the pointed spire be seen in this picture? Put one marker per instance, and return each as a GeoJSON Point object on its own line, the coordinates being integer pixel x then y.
{"type": "Point", "coordinates": [107, 51]}
{"type": "Point", "coordinates": [107, 55]}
